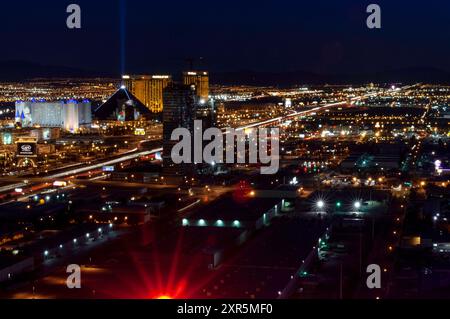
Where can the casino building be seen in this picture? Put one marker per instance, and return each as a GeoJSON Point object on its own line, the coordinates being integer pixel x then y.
{"type": "Point", "coordinates": [69, 115]}
{"type": "Point", "coordinates": [148, 89]}
{"type": "Point", "coordinates": [201, 82]}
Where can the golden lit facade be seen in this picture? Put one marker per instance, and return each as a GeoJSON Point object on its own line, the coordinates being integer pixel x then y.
{"type": "Point", "coordinates": [148, 89]}
{"type": "Point", "coordinates": [201, 82]}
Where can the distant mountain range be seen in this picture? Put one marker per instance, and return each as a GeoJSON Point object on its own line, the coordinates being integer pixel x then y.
{"type": "Point", "coordinates": [283, 79]}
{"type": "Point", "coordinates": [22, 70]}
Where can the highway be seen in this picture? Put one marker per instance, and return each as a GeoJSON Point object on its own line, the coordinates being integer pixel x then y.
{"type": "Point", "coordinates": [303, 113]}
{"type": "Point", "coordinates": [134, 155]}
{"type": "Point", "coordinates": [107, 163]}
{"type": "Point", "coordinates": [84, 169]}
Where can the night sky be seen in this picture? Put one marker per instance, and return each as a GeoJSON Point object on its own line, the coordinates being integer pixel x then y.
{"type": "Point", "coordinates": [265, 35]}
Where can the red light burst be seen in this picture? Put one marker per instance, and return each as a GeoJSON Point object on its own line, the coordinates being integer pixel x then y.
{"type": "Point", "coordinates": [158, 271]}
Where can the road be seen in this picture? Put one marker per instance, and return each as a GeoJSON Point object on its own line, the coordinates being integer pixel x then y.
{"type": "Point", "coordinates": [303, 113]}
{"type": "Point", "coordinates": [76, 171]}
{"type": "Point", "coordinates": [135, 155]}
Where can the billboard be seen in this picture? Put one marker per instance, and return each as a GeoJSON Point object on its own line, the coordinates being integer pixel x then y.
{"type": "Point", "coordinates": [7, 138]}
{"type": "Point", "coordinates": [139, 132]}
{"type": "Point", "coordinates": [26, 149]}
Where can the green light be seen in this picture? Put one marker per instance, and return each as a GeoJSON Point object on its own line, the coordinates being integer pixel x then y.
{"type": "Point", "coordinates": [338, 204]}
{"type": "Point", "coordinates": [237, 223]}
{"type": "Point", "coordinates": [220, 223]}
{"type": "Point", "coordinates": [201, 222]}
{"type": "Point", "coordinates": [185, 222]}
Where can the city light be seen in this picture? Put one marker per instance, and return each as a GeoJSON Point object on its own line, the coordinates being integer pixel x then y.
{"type": "Point", "coordinates": [155, 185]}
{"type": "Point", "coordinates": [320, 204]}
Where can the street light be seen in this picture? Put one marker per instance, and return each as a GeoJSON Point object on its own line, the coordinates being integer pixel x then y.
{"type": "Point", "coordinates": [357, 205]}
{"type": "Point", "coordinates": [320, 204]}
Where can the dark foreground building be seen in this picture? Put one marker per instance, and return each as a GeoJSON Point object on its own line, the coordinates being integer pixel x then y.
{"type": "Point", "coordinates": [179, 106]}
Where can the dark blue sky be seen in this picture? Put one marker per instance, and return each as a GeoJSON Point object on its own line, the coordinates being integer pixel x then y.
{"type": "Point", "coordinates": [264, 35]}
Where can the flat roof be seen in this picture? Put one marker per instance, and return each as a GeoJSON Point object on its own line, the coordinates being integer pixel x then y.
{"type": "Point", "coordinates": [50, 239]}
{"type": "Point", "coordinates": [190, 240]}
{"type": "Point", "coordinates": [7, 260]}
{"type": "Point", "coordinates": [19, 211]}
{"type": "Point", "coordinates": [229, 208]}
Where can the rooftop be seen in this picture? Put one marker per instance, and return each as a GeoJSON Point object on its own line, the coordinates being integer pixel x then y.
{"type": "Point", "coordinates": [232, 207]}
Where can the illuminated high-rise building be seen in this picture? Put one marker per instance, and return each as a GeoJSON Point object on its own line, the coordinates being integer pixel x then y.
{"type": "Point", "coordinates": [69, 115]}
{"type": "Point", "coordinates": [201, 82]}
{"type": "Point", "coordinates": [148, 89]}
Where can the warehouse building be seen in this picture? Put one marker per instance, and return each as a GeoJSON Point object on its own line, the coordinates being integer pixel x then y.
{"type": "Point", "coordinates": [230, 212]}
